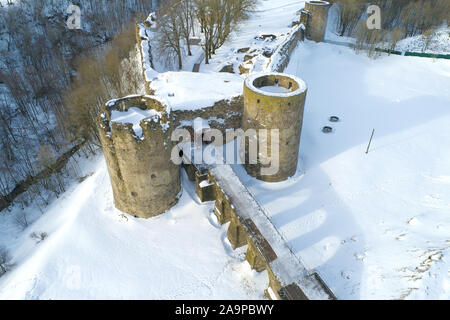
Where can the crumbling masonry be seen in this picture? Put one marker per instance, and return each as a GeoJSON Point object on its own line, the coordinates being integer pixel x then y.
{"type": "Point", "coordinates": [145, 182]}
{"type": "Point", "coordinates": [314, 18]}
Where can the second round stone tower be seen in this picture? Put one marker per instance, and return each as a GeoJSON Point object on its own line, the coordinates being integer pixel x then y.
{"type": "Point", "coordinates": [317, 19]}
{"type": "Point", "coordinates": [275, 102]}
{"type": "Point", "coordinates": [135, 133]}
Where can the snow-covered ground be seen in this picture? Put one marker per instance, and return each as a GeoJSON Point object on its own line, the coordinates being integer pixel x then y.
{"type": "Point", "coordinates": [439, 43]}
{"type": "Point", "coordinates": [269, 18]}
{"type": "Point", "coordinates": [374, 225]}
{"type": "Point", "coordinates": [93, 251]}
{"type": "Point", "coordinates": [5, 2]}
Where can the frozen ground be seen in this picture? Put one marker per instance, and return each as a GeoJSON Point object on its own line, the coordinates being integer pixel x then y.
{"type": "Point", "coordinates": [374, 225]}
{"type": "Point", "coordinates": [94, 251]}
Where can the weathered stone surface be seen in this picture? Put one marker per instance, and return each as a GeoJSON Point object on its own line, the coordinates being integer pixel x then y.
{"type": "Point", "coordinates": [317, 21]}
{"type": "Point", "coordinates": [282, 55]}
{"type": "Point", "coordinates": [190, 170]}
{"type": "Point", "coordinates": [223, 115]}
{"type": "Point", "coordinates": [222, 208]}
{"type": "Point", "coordinates": [265, 251]}
{"type": "Point", "coordinates": [243, 230]}
{"type": "Point", "coordinates": [243, 70]}
{"type": "Point", "coordinates": [269, 37]}
{"type": "Point", "coordinates": [145, 181]}
{"type": "Point", "coordinates": [274, 284]}
{"type": "Point", "coordinates": [243, 50]}
{"type": "Point", "coordinates": [268, 52]}
{"type": "Point", "coordinates": [228, 68]}
{"type": "Point", "coordinates": [304, 17]}
{"type": "Point", "coordinates": [262, 111]}
{"type": "Point", "coordinates": [236, 232]}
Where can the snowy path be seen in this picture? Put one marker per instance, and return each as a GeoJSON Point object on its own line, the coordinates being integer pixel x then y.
{"type": "Point", "coordinates": [376, 225]}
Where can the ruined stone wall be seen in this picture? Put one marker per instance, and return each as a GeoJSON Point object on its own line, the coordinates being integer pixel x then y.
{"type": "Point", "coordinates": [283, 112]}
{"type": "Point", "coordinates": [145, 50]}
{"type": "Point", "coordinates": [243, 231]}
{"type": "Point", "coordinates": [223, 115]}
{"type": "Point", "coordinates": [282, 56]}
{"type": "Point", "coordinates": [145, 182]}
{"type": "Point", "coordinates": [317, 22]}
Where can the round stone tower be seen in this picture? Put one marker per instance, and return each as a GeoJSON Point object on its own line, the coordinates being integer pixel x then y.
{"type": "Point", "coordinates": [317, 22]}
{"type": "Point", "coordinates": [135, 133]}
{"type": "Point", "coordinates": [274, 101]}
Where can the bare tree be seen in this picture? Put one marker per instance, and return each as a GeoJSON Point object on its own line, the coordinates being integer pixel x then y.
{"type": "Point", "coordinates": [22, 220]}
{"type": "Point", "coordinates": [350, 12]}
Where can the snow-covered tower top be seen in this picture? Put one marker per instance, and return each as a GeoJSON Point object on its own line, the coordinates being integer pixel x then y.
{"type": "Point", "coordinates": [275, 101]}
